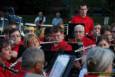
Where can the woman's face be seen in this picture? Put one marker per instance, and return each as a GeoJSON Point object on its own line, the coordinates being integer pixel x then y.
{"type": "Point", "coordinates": [104, 44]}
{"type": "Point", "coordinates": [16, 37]}
{"type": "Point", "coordinates": [97, 29]}
{"type": "Point", "coordinates": [34, 43]}
{"type": "Point", "coordinates": [108, 35]}
{"type": "Point", "coordinates": [6, 52]}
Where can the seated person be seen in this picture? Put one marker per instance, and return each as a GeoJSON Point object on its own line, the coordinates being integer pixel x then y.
{"type": "Point", "coordinates": [31, 40]}
{"type": "Point", "coordinates": [29, 30]}
{"type": "Point", "coordinates": [5, 56]}
{"type": "Point", "coordinates": [103, 42]}
{"type": "Point", "coordinates": [17, 43]}
{"type": "Point", "coordinates": [60, 45]}
{"type": "Point", "coordinates": [32, 63]}
{"type": "Point", "coordinates": [80, 37]}
{"type": "Point", "coordinates": [99, 62]}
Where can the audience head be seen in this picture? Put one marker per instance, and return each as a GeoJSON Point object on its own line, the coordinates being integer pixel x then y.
{"type": "Point", "coordinates": [58, 14]}
{"type": "Point", "coordinates": [33, 60]}
{"type": "Point", "coordinates": [99, 60]}
{"type": "Point", "coordinates": [40, 13]}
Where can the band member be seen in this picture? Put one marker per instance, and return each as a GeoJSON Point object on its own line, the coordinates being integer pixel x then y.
{"type": "Point", "coordinates": [32, 63]}
{"type": "Point", "coordinates": [17, 43]}
{"type": "Point", "coordinates": [5, 55]}
{"type": "Point", "coordinates": [31, 40]}
{"type": "Point", "coordinates": [99, 61]}
{"type": "Point", "coordinates": [83, 18]}
{"type": "Point", "coordinates": [79, 32]}
{"type": "Point", "coordinates": [57, 34]}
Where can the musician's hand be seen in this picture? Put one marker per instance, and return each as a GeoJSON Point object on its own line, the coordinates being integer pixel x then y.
{"type": "Point", "coordinates": [14, 54]}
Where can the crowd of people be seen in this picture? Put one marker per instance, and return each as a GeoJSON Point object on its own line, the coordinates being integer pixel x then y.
{"type": "Point", "coordinates": [32, 54]}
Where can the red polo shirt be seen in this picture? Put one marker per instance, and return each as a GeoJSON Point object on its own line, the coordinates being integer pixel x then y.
{"type": "Point", "coordinates": [87, 21]}
{"type": "Point", "coordinates": [63, 45]}
{"type": "Point", "coordinates": [86, 41]}
{"type": "Point", "coordinates": [4, 72]}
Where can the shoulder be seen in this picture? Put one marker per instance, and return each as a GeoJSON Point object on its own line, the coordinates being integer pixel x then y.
{"type": "Point", "coordinates": [89, 18]}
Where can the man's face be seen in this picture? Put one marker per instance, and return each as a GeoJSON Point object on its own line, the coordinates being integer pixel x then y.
{"type": "Point", "coordinates": [79, 33]}
{"type": "Point", "coordinates": [34, 42]}
{"type": "Point", "coordinates": [16, 37]}
{"type": "Point", "coordinates": [83, 10]}
{"type": "Point", "coordinates": [57, 36]}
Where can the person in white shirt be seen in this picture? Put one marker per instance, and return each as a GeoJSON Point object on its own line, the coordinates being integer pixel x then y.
{"type": "Point", "coordinates": [40, 19]}
{"type": "Point", "coordinates": [57, 21]}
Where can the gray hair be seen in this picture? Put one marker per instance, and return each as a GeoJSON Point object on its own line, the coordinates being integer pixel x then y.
{"type": "Point", "coordinates": [99, 59]}
{"type": "Point", "coordinates": [31, 56]}
{"type": "Point", "coordinates": [81, 27]}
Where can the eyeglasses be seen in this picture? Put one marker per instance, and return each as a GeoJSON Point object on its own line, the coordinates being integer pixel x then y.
{"type": "Point", "coordinates": [97, 28]}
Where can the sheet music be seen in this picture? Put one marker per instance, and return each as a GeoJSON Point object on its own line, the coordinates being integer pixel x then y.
{"type": "Point", "coordinates": [59, 66]}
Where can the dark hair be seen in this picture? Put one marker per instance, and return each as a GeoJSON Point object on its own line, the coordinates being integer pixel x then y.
{"type": "Point", "coordinates": [100, 39]}
{"type": "Point", "coordinates": [12, 23]}
{"type": "Point", "coordinates": [56, 29]}
{"type": "Point", "coordinates": [12, 31]}
{"type": "Point", "coordinates": [105, 28]}
{"type": "Point", "coordinates": [112, 25]}
{"type": "Point", "coordinates": [83, 4]}
{"type": "Point", "coordinates": [4, 43]}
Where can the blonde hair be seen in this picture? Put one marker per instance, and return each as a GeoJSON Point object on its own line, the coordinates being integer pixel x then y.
{"type": "Point", "coordinates": [30, 37]}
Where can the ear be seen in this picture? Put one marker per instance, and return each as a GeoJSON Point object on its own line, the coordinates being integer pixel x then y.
{"type": "Point", "coordinates": [91, 64]}
{"type": "Point", "coordinates": [38, 68]}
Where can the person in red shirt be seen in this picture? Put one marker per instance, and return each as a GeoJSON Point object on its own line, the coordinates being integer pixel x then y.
{"type": "Point", "coordinates": [5, 55]}
{"type": "Point", "coordinates": [79, 32]}
{"type": "Point", "coordinates": [17, 43]}
{"type": "Point", "coordinates": [33, 60]}
{"type": "Point", "coordinates": [99, 62]}
{"type": "Point", "coordinates": [84, 19]}
{"type": "Point", "coordinates": [61, 45]}
{"type": "Point", "coordinates": [82, 41]}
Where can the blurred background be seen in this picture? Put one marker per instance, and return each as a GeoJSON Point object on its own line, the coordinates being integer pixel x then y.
{"type": "Point", "coordinates": [28, 9]}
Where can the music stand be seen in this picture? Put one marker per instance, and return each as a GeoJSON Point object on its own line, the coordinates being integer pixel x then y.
{"type": "Point", "coordinates": [62, 66]}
